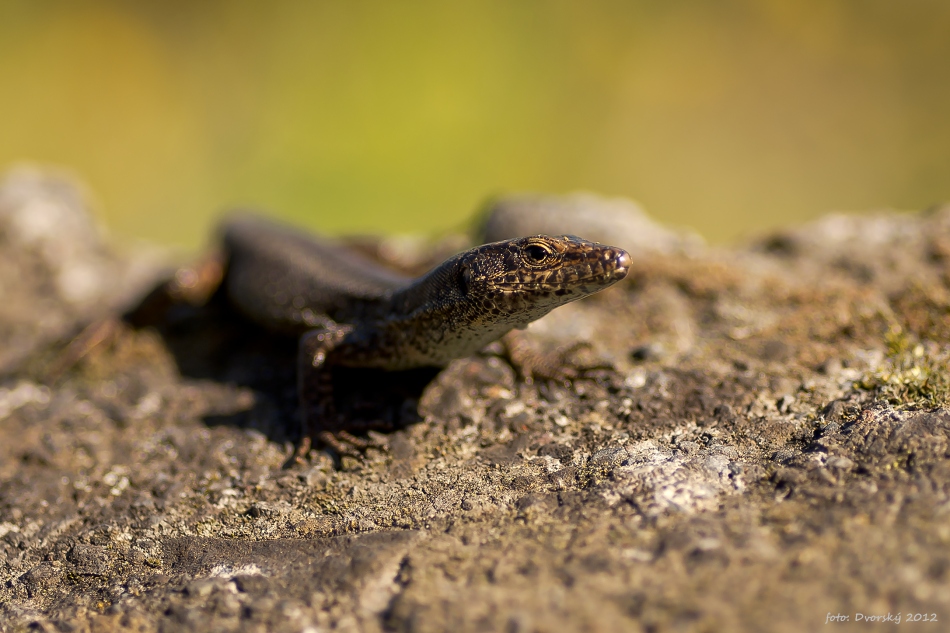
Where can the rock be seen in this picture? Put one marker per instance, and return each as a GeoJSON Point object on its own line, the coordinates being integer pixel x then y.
{"type": "Point", "coordinates": [58, 271]}
{"type": "Point", "coordinates": [614, 221]}
{"type": "Point", "coordinates": [784, 455]}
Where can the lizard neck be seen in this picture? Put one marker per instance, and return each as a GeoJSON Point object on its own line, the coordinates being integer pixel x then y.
{"type": "Point", "coordinates": [437, 318]}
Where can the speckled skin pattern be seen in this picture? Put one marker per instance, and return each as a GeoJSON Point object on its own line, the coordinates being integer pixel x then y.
{"type": "Point", "coordinates": [357, 313]}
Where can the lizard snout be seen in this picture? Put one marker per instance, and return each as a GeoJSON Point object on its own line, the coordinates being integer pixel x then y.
{"type": "Point", "coordinates": [622, 265]}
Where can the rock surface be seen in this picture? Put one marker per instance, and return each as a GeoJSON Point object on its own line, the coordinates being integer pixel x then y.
{"type": "Point", "coordinates": [771, 446]}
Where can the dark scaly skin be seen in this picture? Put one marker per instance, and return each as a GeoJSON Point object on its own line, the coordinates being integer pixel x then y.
{"type": "Point", "coordinates": [350, 311]}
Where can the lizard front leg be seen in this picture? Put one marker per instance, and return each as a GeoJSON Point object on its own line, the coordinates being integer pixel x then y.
{"type": "Point", "coordinates": [315, 389]}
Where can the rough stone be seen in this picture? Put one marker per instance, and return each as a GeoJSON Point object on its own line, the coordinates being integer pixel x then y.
{"type": "Point", "coordinates": [786, 456]}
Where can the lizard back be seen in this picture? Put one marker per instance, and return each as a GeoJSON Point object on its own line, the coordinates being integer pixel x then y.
{"type": "Point", "coordinates": [288, 281]}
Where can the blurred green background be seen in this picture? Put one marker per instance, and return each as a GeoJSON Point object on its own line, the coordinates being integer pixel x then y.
{"type": "Point", "coordinates": [728, 116]}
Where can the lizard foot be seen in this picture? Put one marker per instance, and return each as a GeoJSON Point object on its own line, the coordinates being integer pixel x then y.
{"type": "Point", "coordinates": [560, 365]}
{"type": "Point", "coordinates": [343, 443]}
{"type": "Point", "coordinates": [191, 285]}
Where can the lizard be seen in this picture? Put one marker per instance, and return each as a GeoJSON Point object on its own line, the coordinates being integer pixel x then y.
{"type": "Point", "coordinates": [351, 311]}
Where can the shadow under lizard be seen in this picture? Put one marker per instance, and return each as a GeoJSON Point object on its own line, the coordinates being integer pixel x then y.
{"type": "Point", "coordinates": [351, 311]}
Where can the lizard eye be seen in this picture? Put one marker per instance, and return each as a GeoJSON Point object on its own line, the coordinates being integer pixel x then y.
{"type": "Point", "coordinates": [536, 253]}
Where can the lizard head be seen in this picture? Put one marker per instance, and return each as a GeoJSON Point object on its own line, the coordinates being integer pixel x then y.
{"type": "Point", "coordinates": [477, 296]}
{"type": "Point", "coordinates": [517, 281]}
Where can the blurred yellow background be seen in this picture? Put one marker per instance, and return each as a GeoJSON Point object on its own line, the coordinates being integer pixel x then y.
{"type": "Point", "coordinates": [728, 116]}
